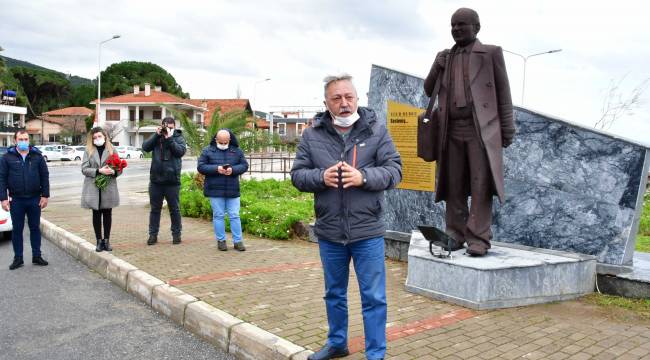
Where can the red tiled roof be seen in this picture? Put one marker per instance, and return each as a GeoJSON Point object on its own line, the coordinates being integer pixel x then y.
{"type": "Point", "coordinates": [154, 97]}
{"type": "Point", "coordinates": [226, 105]}
{"type": "Point", "coordinates": [80, 125]}
{"type": "Point", "coordinates": [70, 111]}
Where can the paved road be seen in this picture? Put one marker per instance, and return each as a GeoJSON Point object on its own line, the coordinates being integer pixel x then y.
{"type": "Point", "coordinates": [66, 180]}
{"type": "Point", "coordinates": [65, 311]}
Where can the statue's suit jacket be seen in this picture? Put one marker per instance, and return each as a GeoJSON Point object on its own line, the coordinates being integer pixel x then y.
{"type": "Point", "coordinates": [492, 109]}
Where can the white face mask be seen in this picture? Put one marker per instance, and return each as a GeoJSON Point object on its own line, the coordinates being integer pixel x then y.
{"type": "Point", "coordinates": [222, 147]}
{"type": "Point", "coordinates": [345, 121]}
{"type": "Point", "coordinates": [99, 142]}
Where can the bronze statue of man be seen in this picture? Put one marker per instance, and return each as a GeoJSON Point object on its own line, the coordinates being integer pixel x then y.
{"type": "Point", "coordinates": [475, 123]}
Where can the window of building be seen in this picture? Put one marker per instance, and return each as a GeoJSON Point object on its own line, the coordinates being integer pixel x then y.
{"type": "Point", "coordinates": [157, 114]}
{"type": "Point", "coordinates": [300, 127]}
{"type": "Point", "coordinates": [282, 129]}
{"type": "Point", "coordinates": [112, 115]}
{"type": "Point", "coordinates": [53, 138]}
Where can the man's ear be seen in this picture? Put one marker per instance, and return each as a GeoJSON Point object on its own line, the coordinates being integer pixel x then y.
{"type": "Point", "coordinates": [477, 28]}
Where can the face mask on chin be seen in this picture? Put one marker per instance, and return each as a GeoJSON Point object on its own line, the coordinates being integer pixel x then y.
{"type": "Point", "coordinates": [344, 121]}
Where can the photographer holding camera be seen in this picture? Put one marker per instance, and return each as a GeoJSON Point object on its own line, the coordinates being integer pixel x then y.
{"type": "Point", "coordinates": [168, 147]}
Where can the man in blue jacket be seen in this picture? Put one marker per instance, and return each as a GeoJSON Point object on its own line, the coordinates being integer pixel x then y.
{"type": "Point", "coordinates": [222, 162]}
{"type": "Point", "coordinates": [347, 159]}
{"type": "Point", "coordinates": [24, 190]}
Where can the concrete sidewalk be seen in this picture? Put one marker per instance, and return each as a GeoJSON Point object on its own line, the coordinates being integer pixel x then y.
{"type": "Point", "coordinates": [278, 287]}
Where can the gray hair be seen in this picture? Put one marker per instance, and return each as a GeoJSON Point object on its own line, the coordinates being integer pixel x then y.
{"type": "Point", "coordinates": [334, 78]}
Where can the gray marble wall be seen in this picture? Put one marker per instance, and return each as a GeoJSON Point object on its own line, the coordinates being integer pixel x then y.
{"type": "Point", "coordinates": [567, 187]}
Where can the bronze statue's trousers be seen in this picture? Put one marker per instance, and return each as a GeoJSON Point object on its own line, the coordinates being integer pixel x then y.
{"type": "Point", "coordinates": [468, 172]}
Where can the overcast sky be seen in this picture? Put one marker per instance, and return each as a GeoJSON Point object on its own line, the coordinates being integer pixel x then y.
{"type": "Point", "coordinates": [214, 47]}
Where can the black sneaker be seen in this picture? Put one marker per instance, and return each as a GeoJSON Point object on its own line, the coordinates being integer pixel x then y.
{"type": "Point", "coordinates": [328, 352]}
{"type": "Point", "coordinates": [38, 260]}
{"type": "Point", "coordinates": [176, 239]}
{"type": "Point", "coordinates": [18, 262]}
{"type": "Point", "coordinates": [239, 246]}
{"type": "Point", "coordinates": [221, 245]}
{"type": "Point", "coordinates": [152, 239]}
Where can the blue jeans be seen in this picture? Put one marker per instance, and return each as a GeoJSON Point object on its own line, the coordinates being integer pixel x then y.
{"type": "Point", "coordinates": [19, 207]}
{"type": "Point", "coordinates": [368, 259]}
{"type": "Point", "coordinates": [219, 208]}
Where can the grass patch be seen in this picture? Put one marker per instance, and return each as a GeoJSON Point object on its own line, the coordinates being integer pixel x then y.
{"type": "Point", "coordinates": [643, 237]}
{"type": "Point", "coordinates": [640, 307]}
{"type": "Point", "coordinates": [269, 208]}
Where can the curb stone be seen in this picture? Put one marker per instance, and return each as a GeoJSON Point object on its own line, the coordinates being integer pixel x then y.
{"type": "Point", "coordinates": [171, 302]}
{"type": "Point", "coordinates": [243, 340]}
{"type": "Point", "coordinates": [210, 323]}
{"type": "Point", "coordinates": [250, 342]}
{"type": "Point", "coordinates": [141, 285]}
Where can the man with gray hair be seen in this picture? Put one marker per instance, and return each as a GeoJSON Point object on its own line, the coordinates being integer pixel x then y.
{"type": "Point", "coordinates": [348, 159]}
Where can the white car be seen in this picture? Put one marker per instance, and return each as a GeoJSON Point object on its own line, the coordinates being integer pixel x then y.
{"type": "Point", "coordinates": [128, 152]}
{"type": "Point", "coordinates": [5, 224]}
{"type": "Point", "coordinates": [51, 153]}
{"type": "Point", "coordinates": [73, 153]}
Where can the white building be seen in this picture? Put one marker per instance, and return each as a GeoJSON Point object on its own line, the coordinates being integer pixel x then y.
{"type": "Point", "coordinates": [132, 118]}
{"type": "Point", "coordinates": [12, 118]}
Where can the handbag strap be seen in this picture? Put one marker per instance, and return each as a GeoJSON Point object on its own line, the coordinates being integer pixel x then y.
{"type": "Point", "coordinates": [432, 99]}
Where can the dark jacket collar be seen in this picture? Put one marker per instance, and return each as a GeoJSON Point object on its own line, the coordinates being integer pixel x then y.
{"type": "Point", "coordinates": [233, 140]}
{"type": "Point", "coordinates": [32, 150]}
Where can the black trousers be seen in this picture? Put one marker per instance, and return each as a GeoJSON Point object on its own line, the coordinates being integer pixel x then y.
{"type": "Point", "coordinates": [158, 192]}
{"type": "Point", "coordinates": [107, 215]}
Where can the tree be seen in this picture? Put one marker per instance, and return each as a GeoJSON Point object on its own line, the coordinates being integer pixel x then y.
{"type": "Point", "coordinates": [616, 105]}
{"type": "Point", "coordinates": [118, 79]}
{"type": "Point", "coordinates": [113, 129]}
{"type": "Point", "coordinates": [197, 138]}
{"type": "Point", "coordinates": [44, 89]}
{"type": "Point", "coordinates": [82, 95]}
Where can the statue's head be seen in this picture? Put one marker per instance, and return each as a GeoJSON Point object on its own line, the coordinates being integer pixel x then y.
{"type": "Point", "coordinates": [465, 24]}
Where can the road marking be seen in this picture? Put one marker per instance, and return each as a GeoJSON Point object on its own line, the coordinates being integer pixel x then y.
{"type": "Point", "coordinates": [357, 343]}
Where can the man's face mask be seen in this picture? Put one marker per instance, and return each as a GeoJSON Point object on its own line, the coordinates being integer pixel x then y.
{"type": "Point", "coordinates": [23, 145]}
{"type": "Point", "coordinates": [222, 146]}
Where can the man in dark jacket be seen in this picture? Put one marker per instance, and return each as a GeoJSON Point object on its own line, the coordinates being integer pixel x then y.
{"type": "Point", "coordinates": [24, 190]}
{"type": "Point", "coordinates": [222, 162]}
{"type": "Point", "coordinates": [347, 159]}
{"type": "Point", "coordinates": [168, 147]}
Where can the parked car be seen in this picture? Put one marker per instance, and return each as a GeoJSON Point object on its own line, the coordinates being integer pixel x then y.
{"type": "Point", "coordinates": [5, 225]}
{"type": "Point", "coordinates": [73, 153]}
{"type": "Point", "coordinates": [128, 152]}
{"type": "Point", "coordinates": [50, 153]}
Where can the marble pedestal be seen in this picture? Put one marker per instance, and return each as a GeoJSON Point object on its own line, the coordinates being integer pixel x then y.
{"type": "Point", "coordinates": [510, 275]}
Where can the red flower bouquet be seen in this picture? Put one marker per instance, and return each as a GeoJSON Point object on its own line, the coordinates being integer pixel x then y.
{"type": "Point", "coordinates": [115, 163]}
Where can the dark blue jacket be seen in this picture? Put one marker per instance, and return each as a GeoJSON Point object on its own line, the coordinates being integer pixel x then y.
{"type": "Point", "coordinates": [355, 213]}
{"type": "Point", "coordinates": [218, 185]}
{"type": "Point", "coordinates": [24, 179]}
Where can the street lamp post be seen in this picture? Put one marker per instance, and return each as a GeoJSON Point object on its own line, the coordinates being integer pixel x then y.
{"type": "Point", "coordinates": [255, 93]}
{"type": "Point", "coordinates": [525, 59]}
{"type": "Point", "coordinates": [99, 78]}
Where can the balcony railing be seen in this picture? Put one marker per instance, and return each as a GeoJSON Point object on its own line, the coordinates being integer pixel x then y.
{"type": "Point", "coordinates": [10, 129]}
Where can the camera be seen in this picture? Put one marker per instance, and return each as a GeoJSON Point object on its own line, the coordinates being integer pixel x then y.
{"type": "Point", "coordinates": [163, 130]}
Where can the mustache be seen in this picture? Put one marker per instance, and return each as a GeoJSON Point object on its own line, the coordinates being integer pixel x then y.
{"type": "Point", "coordinates": [345, 109]}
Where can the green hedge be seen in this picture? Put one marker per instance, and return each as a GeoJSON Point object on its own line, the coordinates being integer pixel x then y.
{"type": "Point", "coordinates": [269, 208]}
{"type": "Point", "coordinates": [643, 238]}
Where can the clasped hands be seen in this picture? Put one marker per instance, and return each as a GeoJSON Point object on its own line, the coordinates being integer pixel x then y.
{"type": "Point", "coordinates": [222, 171]}
{"type": "Point", "coordinates": [106, 170]}
{"type": "Point", "coordinates": [350, 176]}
